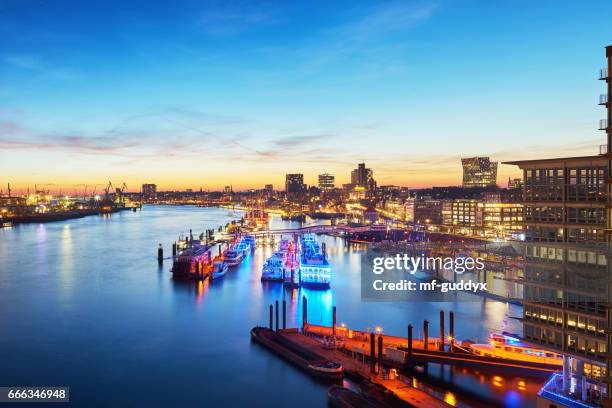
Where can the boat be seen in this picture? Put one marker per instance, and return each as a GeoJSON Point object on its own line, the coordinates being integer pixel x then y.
{"type": "Point", "coordinates": [250, 239]}
{"type": "Point", "coordinates": [233, 257]}
{"type": "Point", "coordinates": [191, 260]}
{"type": "Point", "coordinates": [315, 269]}
{"type": "Point", "coordinates": [307, 360]}
{"type": "Point", "coordinates": [244, 246]}
{"type": "Point", "coordinates": [219, 269]}
{"type": "Point", "coordinates": [509, 346]}
{"type": "Point", "coordinates": [273, 267]}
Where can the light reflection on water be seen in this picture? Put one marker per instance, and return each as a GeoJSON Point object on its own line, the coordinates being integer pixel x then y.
{"type": "Point", "coordinates": [87, 298]}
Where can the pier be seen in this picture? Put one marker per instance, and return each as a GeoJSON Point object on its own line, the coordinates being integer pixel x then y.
{"type": "Point", "coordinates": [384, 360]}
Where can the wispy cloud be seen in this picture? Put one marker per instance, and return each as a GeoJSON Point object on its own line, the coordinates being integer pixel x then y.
{"type": "Point", "coordinates": [34, 64]}
{"type": "Point", "coordinates": [234, 20]}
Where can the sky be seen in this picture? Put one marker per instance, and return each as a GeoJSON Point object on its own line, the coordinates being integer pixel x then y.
{"type": "Point", "coordinates": [197, 94]}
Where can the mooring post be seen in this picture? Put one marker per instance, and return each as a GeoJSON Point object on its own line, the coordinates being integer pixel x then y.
{"type": "Point", "coordinates": [372, 353]}
{"type": "Point", "coordinates": [380, 354]}
{"type": "Point", "coordinates": [276, 311]}
{"type": "Point", "coordinates": [174, 249]}
{"type": "Point", "coordinates": [334, 321]}
{"type": "Point", "coordinates": [425, 334]}
{"type": "Point", "coordinates": [409, 340]}
{"type": "Point", "coordinates": [160, 254]}
{"type": "Point", "coordinates": [441, 346]}
{"type": "Point", "coordinates": [304, 313]}
{"type": "Point", "coordinates": [271, 318]}
{"type": "Point", "coordinates": [284, 314]}
{"type": "Point", "coordinates": [451, 330]}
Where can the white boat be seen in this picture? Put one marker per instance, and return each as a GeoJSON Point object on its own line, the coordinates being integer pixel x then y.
{"type": "Point", "coordinates": [220, 268]}
{"type": "Point", "coordinates": [233, 257]}
{"type": "Point", "coordinates": [244, 247]}
{"type": "Point", "coordinates": [273, 268]}
{"type": "Point", "coordinates": [509, 346]}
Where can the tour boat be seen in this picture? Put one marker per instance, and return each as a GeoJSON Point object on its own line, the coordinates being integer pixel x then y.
{"type": "Point", "coordinates": [220, 268]}
{"type": "Point", "coordinates": [315, 269]}
{"type": "Point", "coordinates": [509, 346]}
{"type": "Point", "coordinates": [243, 246]}
{"type": "Point", "coordinates": [233, 257]}
{"type": "Point", "coordinates": [186, 264]}
{"type": "Point", "coordinates": [273, 267]}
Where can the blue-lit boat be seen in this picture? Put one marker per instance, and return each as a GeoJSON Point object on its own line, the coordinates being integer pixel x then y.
{"type": "Point", "coordinates": [233, 257]}
{"type": "Point", "coordinates": [219, 270]}
{"type": "Point", "coordinates": [315, 269]}
{"type": "Point", "coordinates": [243, 247]}
{"type": "Point", "coordinates": [273, 267]}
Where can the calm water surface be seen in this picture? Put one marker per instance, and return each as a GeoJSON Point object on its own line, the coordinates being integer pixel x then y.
{"type": "Point", "coordinates": [84, 303]}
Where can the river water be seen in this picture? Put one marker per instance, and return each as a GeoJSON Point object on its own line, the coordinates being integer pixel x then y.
{"type": "Point", "coordinates": [83, 303]}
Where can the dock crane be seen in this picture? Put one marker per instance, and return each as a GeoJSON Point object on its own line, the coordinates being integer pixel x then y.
{"type": "Point", "coordinates": [109, 186]}
{"type": "Point", "coordinates": [123, 188]}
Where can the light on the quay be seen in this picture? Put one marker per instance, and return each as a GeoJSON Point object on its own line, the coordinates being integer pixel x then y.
{"type": "Point", "coordinates": [378, 329]}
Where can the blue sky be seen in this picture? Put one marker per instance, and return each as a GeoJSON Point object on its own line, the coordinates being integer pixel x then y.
{"type": "Point", "coordinates": [191, 93]}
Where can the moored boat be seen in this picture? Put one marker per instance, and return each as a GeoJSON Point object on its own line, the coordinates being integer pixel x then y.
{"type": "Point", "coordinates": [233, 257]}
{"type": "Point", "coordinates": [191, 260]}
{"type": "Point", "coordinates": [273, 267]}
{"type": "Point", "coordinates": [219, 269]}
{"type": "Point", "coordinates": [509, 346]}
{"type": "Point", "coordinates": [315, 269]}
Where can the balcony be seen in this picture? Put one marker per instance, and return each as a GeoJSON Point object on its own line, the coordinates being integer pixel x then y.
{"type": "Point", "coordinates": [603, 124]}
{"type": "Point", "coordinates": [603, 99]}
{"type": "Point", "coordinates": [603, 74]}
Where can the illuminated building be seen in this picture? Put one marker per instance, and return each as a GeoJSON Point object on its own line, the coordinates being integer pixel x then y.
{"type": "Point", "coordinates": [515, 184]}
{"type": "Point", "coordinates": [479, 172]}
{"type": "Point", "coordinates": [567, 268]}
{"type": "Point", "coordinates": [326, 181]}
{"type": "Point", "coordinates": [363, 177]}
{"type": "Point", "coordinates": [149, 191]}
{"type": "Point", "coordinates": [269, 188]}
{"type": "Point", "coordinates": [294, 183]}
{"type": "Point", "coordinates": [428, 212]}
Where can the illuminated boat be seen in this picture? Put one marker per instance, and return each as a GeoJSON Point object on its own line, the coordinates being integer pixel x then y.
{"type": "Point", "coordinates": [315, 269]}
{"type": "Point", "coordinates": [243, 246]}
{"type": "Point", "coordinates": [273, 267]}
{"type": "Point", "coordinates": [233, 257]}
{"type": "Point", "coordinates": [219, 270]}
{"type": "Point", "coordinates": [186, 264]}
{"type": "Point", "coordinates": [509, 346]}
{"type": "Point", "coordinates": [250, 240]}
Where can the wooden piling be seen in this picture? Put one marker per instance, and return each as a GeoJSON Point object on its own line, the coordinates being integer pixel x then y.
{"type": "Point", "coordinates": [409, 340]}
{"type": "Point", "coordinates": [334, 320]}
{"type": "Point", "coordinates": [271, 318]}
{"type": "Point", "coordinates": [304, 313]}
{"type": "Point", "coordinates": [380, 354]}
{"type": "Point", "coordinates": [441, 345]}
{"type": "Point", "coordinates": [284, 314]}
{"type": "Point", "coordinates": [425, 334]}
{"type": "Point", "coordinates": [451, 330]}
{"type": "Point", "coordinates": [160, 254]}
{"type": "Point", "coordinates": [372, 354]}
{"type": "Point", "coordinates": [276, 310]}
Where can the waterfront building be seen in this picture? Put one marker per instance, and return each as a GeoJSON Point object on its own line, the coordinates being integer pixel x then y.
{"type": "Point", "coordinates": [228, 189]}
{"type": "Point", "coordinates": [149, 191]}
{"type": "Point", "coordinates": [428, 211]}
{"type": "Point", "coordinates": [479, 172]}
{"type": "Point", "coordinates": [294, 183]}
{"type": "Point", "coordinates": [326, 181]}
{"type": "Point", "coordinates": [567, 268]}
{"type": "Point", "coordinates": [363, 177]}
{"type": "Point", "coordinates": [269, 188]}
{"type": "Point", "coordinates": [515, 183]}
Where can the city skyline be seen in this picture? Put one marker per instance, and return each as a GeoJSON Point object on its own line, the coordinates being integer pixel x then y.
{"type": "Point", "coordinates": [213, 95]}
